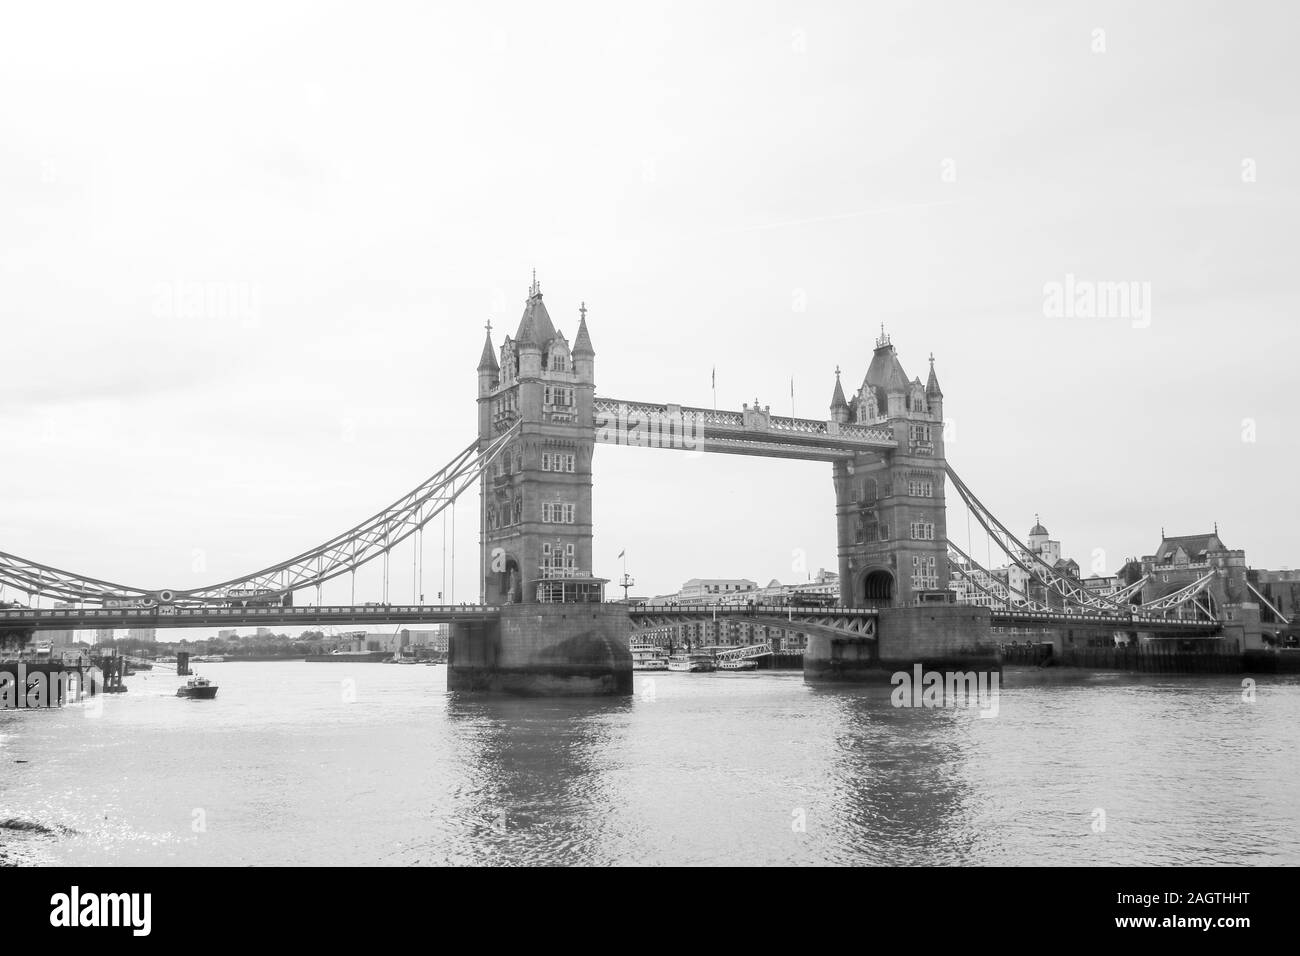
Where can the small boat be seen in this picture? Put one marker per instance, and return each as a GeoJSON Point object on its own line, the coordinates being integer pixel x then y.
{"type": "Point", "coordinates": [734, 664]}
{"type": "Point", "coordinates": [648, 657]}
{"type": "Point", "coordinates": [197, 688]}
{"type": "Point", "coordinates": [690, 662]}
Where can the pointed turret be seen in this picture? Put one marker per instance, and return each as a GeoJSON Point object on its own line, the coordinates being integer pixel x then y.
{"type": "Point", "coordinates": [584, 356]}
{"type": "Point", "coordinates": [488, 361]}
{"type": "Point", "coordinates": [582, 344]}
{"type": "Point", "coordinates": [839, 407]}
{"type": "Point", "coordinates": [489, 372]}
{"type": "Point", "coordinates": [932, 389]}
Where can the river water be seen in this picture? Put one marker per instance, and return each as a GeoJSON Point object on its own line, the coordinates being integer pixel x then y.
{"type": "Point", "coordinates": [346, 764]}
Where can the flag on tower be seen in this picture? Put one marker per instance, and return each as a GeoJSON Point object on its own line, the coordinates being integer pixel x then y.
{"type": "Point", "coordinates": [621, 553]}
{"type": "Point", "coordinates": [715, 376]}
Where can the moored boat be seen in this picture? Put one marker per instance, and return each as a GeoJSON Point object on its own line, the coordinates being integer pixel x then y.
{"type": "Point", "coordinates": [648, 657]}
{"type": "Point", "coordinates": [690, 662]}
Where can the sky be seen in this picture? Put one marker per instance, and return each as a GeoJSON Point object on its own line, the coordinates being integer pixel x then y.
{"type": "Point", "coordinates": [247, 254]}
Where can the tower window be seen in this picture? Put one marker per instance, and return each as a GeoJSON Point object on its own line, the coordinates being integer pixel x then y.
{"type": "Point", "coordinates": [557, 512]}
{"type": "Point", "coordinates": [923, 573]}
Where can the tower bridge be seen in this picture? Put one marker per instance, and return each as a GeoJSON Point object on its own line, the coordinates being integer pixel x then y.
{"type": "Point", "coordinates": [541, 624]}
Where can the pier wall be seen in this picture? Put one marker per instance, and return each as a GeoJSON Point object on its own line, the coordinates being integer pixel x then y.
{"type": "Point", "coordinates": [941, 637]}
{"type": "Point", "coordinates": [544, 650]}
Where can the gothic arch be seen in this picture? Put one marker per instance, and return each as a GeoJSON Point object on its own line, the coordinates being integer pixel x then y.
{"type": "Point", "coordinates": [874, 587]}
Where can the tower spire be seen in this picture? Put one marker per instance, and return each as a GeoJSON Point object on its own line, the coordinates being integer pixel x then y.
{"type": "Point", "coordinates": [488, 360]}
{"type": "Point", "coordinates": [582, 341]}
{"type": "Point", "coordinates": [932, 389]}
{"type": "Point", "coordinates": [837, 397]}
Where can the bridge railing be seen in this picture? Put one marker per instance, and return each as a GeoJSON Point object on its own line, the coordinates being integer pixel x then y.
{"type": "Point", "coordinates": [170, 611]}
{"type": "Point", "coordinates": [727, 420]}
{"type": "Point", "coordinates": [741, 610]}
{"type": "Point", "coordinates": [1099, 618]}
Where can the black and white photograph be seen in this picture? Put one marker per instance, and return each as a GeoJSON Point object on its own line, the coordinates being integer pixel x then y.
{"type": "Point", "coordinates": [578, 435]}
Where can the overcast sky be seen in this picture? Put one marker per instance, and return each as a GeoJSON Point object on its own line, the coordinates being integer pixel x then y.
{"type": "Point", "coordinates": [357, 188]}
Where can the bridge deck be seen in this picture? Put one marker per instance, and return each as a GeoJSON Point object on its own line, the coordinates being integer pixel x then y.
{"type": "Point", "coordinates": [171, 616]}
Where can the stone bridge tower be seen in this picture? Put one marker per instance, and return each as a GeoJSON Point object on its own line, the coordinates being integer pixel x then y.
{"type": "Point", "coordinates": [536, 517]}
{"type": "Point", "coordinates": [890, 512]}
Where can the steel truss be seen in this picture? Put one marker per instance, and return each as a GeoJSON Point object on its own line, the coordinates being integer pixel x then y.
{"type": "Point", "coordinates": [1176, 599]}
{"type": "Point", "coordinates": [1004, 601]}
{"type": "Point", "coordinates": [1069, 588]}
{"type": "Point", "coordinates": [344, 553]}
{"type": "Point", "coordinates": [1123, 594]}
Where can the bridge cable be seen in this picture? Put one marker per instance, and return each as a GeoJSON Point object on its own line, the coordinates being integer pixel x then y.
{"type": "Point", "coordinates": [1063, 584]}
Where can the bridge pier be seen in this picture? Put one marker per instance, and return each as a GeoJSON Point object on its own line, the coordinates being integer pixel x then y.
{"type": "Point", "coordinates": [938, 637]}
{"type": "Point", "coordinates": [546, 650]}
{"type": "Point", "coordinates": [1241, 622]}
{"type": "Point", "coordinates": [15, 639]}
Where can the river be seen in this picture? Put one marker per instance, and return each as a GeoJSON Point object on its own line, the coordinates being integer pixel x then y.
{"type": "Point", "coordinates": [359, 764]}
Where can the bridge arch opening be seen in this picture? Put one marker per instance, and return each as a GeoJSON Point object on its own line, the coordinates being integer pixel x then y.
{"type": "Point", "coordinates": [877, 588]}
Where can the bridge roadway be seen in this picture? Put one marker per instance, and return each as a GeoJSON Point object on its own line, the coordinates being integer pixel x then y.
{"type": "Point", "coordinates": [845, 619]}
{"type": "Point", "coordinates": [853, 620]}
{"type": "Point", "coordinates": [174, 616]}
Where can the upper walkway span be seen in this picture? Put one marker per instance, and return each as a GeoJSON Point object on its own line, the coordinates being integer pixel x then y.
{"type": "Point", "coordinates": [752, 431]}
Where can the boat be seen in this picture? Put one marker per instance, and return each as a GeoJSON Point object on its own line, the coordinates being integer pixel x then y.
{"type": "Point", "coordinates": [690, 662]}
{"type": "Point", "coordinates": [197, 688]}
{"type": "Point", "coordinates": [648, 657]}
{"type": "Point", "coordinates": [735, 664]}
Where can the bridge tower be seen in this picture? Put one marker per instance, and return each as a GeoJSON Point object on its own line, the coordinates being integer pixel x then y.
{"type": "Point", "coordinates": [890, 512]}
{"type": "Point", "coordinates": [536, 517]}
{"type": "Point", "coordinates": [553, 634]}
